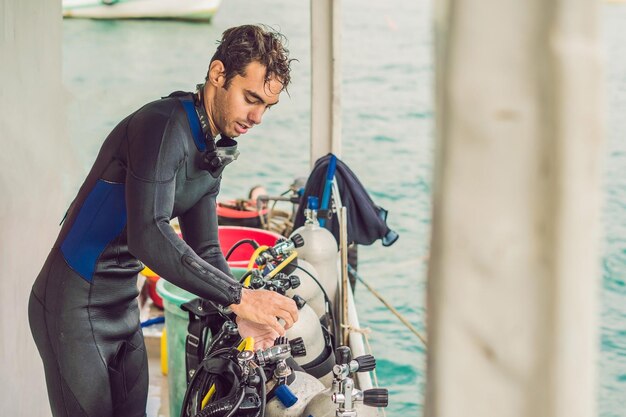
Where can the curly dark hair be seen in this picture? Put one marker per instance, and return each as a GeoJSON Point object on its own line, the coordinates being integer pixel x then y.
{"type": "Point", "coordinates": [242, 45]}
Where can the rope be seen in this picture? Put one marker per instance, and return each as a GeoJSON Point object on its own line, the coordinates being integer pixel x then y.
{"type": "Point", "coordinates": [389, 306]}
{"type": "Point", "coordinates": [365, 332]}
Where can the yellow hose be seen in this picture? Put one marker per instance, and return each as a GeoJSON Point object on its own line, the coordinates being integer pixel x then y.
{"type": "Point", "coordinates": [208, 396]}
{"type": "Point", "coordinates": [283, 264]}
{"type": "Point", "coordinates": [255, 255]}
{"type": "Point", "coordinates": [257, 252]}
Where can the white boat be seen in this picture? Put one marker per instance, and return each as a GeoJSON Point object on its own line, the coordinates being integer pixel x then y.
{"type": "Point", "coordinates": [193, 10]}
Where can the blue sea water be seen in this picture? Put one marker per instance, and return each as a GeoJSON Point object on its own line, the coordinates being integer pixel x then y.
{"type": "Point", "coordinates": [112, 68]}
{"type": "Point", "coordinates": [612, 363]}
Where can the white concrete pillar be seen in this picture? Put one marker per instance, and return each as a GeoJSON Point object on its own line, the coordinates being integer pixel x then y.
{"type": "Point", "coordinates": [325, 78]}
{"type": "Point", "coordinates": [514, 268]}
{"type": "Point", "coordinates": [35, 166]}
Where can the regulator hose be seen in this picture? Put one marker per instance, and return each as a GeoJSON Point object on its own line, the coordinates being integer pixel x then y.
{"type": "Point", "coordinates": [330, 305]}
{"type": "Point", "coordinates": [218, 375]}
{"type": "Point", "coordinates": [251, 242]}
{"type": "Point", "coordinates": [263, 390]}
{"type": "Point", "coordinates": [226, 407]}
{"type": "Point", "coordinates": [237, 404]}
{"type": "Point", "coordinates": [245, 276]}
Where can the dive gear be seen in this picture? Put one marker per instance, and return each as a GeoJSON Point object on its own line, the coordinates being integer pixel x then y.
{"type": "Point", "coordinates": [320, 249]}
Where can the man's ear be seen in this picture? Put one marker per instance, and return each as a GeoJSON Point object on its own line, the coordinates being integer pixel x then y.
{"type": "Point", "coordinates": [217, 76]}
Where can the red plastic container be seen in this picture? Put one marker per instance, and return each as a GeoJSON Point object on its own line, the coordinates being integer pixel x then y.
{"type": "Point", "coordinates": [152, 292]}
{"type": "Point", "coordinates": [229, 235]}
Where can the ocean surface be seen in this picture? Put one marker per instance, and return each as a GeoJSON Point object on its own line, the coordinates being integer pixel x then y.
{"type": "Point", "coordinates": [112, 68]}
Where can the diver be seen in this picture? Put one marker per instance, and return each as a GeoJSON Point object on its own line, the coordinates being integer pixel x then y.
{"type": "Point", "coordinates": [160, 162]}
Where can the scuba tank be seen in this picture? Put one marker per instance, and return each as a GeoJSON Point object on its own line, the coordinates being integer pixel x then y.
{"type": "Point", "coordinates": [309, 289]}
{"type": "Point", "coordinates": [342, 399]}
{"type": "Point", "coordinates": [319, 357]}
{"type": "Point", "coordinates": [320, 249]}
{"type": "Point", "coordinates": [290, 390]}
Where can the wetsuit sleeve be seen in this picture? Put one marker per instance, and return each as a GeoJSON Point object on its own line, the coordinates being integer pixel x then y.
{"type": "Point", "coordinates": [155, 157]}
{"type": "Point", "coordinates": [200, 231]}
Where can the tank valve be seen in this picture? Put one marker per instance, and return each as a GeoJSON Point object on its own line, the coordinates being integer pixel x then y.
{"type": "Point", "coordinates": [298, 240]}
{"type": "Point", "coordinates": [376, 397]}
{"type": "Point", "coordinates": [280, 283]}
{"type": "Point", "coordinates": [300, 302]}
{"type": "Point", "coordinates": [365, 363]}
{"type": "Point", "coordinates": [343, 355]}
{"type": "Point", "coordinates": [310, 213]}
{"type": "Point", "coordinates": [282, 249]}
{"type": "Point", "coordinates": [346, 394]}
{"type": "Point", "coordinates": [297, 347]}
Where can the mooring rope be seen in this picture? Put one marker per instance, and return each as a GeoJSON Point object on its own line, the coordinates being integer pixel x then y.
{"type": "Point", "coordinates": [389, 306]}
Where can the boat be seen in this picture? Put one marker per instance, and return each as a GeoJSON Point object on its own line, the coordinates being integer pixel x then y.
{"type": "Point", "coordinates": [189, 10]}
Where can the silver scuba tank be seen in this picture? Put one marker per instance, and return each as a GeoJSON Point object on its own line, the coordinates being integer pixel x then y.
{"type": "Point", "coordinates": [319, 357]}
{"type": "Point", "coordinates": [309, 329]}
{"type": "Point", "coordinates": [291, 399]}
{"type": "Point", "coordinates": [321, 250]}
{"type": "Point", "coordinates": [289, 389]}
{"type": "Point", "coordinates": [309, 289]}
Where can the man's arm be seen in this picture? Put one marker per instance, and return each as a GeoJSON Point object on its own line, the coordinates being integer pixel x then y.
{"type": "Point", "coordinates": [200, 231]}
{"type": "Point", "coordinates": [155, 154]}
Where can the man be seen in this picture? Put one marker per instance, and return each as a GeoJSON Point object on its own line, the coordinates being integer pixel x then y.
{"type": "Point", "coordinates": [159, 163]}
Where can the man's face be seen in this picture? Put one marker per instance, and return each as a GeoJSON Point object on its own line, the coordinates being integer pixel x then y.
{"type": "Point", "coordinates": [242, 105]}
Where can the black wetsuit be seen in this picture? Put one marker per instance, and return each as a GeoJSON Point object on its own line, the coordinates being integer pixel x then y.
{"type": "Point", "coordinates": [83, 310]}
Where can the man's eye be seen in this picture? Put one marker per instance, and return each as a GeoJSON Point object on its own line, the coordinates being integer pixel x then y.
{"type": "Point", "coordinates": [249, 101]}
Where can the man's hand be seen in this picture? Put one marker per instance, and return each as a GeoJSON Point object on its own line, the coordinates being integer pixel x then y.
{"type": "Point", "coordinates": [264, 335]}
{"type": "Point", "coordinates": [265, 307]}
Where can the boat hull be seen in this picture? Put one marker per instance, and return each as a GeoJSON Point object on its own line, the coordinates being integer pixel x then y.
{"type": "Point", "coordinates": [193, 10]}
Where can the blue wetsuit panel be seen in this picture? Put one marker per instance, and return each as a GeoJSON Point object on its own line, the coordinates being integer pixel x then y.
{"type": "Point", "coordinates": [194, 123]}
{"type": "Point", "coordinates": [101, 218]}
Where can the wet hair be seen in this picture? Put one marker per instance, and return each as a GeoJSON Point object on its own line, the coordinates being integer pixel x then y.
{"type": "Point", "coordinates": [242, 45]}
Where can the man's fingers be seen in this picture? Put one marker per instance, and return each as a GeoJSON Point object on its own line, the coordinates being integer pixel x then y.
{"type": "Point", "coordinates": [288, 311]}
{"type": "Point", "coordinates": [286, 317]}
{"type": "Point", "coordinates": [276, 326]}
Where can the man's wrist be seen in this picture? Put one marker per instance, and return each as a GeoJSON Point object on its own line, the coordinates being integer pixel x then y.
{"type": "Point", "coordinates": [235, 306]}
{"type": "Point", "coordinates": [226, 310]}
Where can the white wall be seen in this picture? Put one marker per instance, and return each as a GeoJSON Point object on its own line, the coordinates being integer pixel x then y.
{"type": "Point", "coordinates": [35, 166]}
{"type": "Point", "coordinates": [513, 273]}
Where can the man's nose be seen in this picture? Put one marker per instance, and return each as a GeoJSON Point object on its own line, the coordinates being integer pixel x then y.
{"type": "Point", "coordinates": [256, 115]}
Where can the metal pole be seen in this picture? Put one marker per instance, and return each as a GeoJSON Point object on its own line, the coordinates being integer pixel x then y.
{"type": "Point", "coordinates": [325, 78]}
